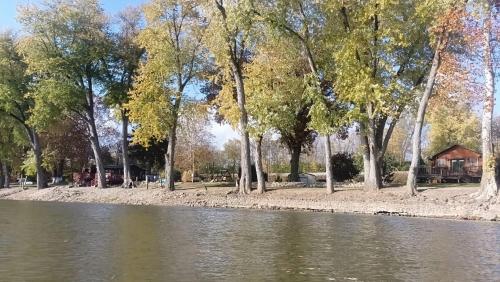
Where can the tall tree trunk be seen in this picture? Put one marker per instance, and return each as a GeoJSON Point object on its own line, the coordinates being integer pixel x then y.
{"type": "Point", "coordinates": [170, 158]}
{"type": "Point", "coordinates": [248, 163]}
{"type": "Point", "coordinates": [383, 141]}
{"type": "Point", "coordinates": [1, 175]}
{"type": "Point", "coordinates": [366, 151]}
{"type": "Point", "coordinates": [371, 158]}
{"type": "Point", "coordinates": [6, 175]}
{"type": "Point", "coordinates": [294, 163]}
{"type": "Point", "coordinates": [236, 62]}
{"type": "Point", "coordinates": [60, 169]}
{"type": "Point", "coordinates": [411, 182]}
{"type": "Point", "coordinates": [246, 169]}
{"type": "Point", "coordinates": [96, 149]}
{"type": "Point", "coordinates": [192, 165]}
{"type": "Point", "coordinates": [374, 180]}
{"type": "Point", "coordinates": [489, 186]}
{"type": "Point", "coordinates": [234, 175]}
{"type": "Point", "coordinates": [245, 185]}
{"type": "Point", "coordinates": [41, 178]}
{"type": "Point", "coordinates": [328, 165]}
{"type": "Point", "coordinates": [94, 137]}
{"type": "Point", "coordinates": [366, 160]}
{"type": "Point", "coordinates": [404, 149]}
{"type": "Point", "coordinates": [261, 181]}
{"type": "Point", "coordinates": [125, 159]}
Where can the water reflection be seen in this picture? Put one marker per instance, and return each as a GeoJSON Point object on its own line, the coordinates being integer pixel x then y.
{"type": "Point", "coordinates": [82, 242]}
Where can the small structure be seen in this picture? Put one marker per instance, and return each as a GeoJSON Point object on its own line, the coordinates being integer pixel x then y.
{"type": "Point", "coordinates": [308, 179]}
{"type": "Point", "coordinates": [114, 175]}
{"type": "Point", "coordinates": [456, 163]}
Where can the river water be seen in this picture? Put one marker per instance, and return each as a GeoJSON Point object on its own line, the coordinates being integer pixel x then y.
{"type": "Point", "coordinates": [95, 242]}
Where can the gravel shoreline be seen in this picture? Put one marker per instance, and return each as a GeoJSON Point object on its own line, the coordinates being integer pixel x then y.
{"type": "Point", "coordinates": [450, 202]}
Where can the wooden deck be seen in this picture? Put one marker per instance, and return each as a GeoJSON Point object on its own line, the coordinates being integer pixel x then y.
{"type": "Point", "coordinates": [444, 174]}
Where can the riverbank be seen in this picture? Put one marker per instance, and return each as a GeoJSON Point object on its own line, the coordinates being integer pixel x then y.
{"type": "Point", "coordinates": [451, 202]}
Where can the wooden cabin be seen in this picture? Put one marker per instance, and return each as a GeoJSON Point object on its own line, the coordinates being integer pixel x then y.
{"type": "Point", "coordinates": [454, 164]}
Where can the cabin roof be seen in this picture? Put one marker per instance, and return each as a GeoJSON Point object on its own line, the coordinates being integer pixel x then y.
{"type": "Point", "coordinates": [454, 147]}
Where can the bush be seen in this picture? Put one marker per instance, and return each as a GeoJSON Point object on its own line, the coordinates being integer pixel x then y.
{"type": "Point", "coordinates": [187, 176]}
{"type": "Point", "coordinates": [344, 167]}
{"type": "Point", "coordinates": [358, 160]}
{"type": "Point", "coordinates": [389, 166]}
{"type": "Point", "coordinates": [399, 178]}
{"type": "Point", "coordinates": [405, 166]}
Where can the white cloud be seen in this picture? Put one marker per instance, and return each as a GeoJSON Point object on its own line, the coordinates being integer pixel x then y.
{"type": "Point", "coordinates": [222, 133]}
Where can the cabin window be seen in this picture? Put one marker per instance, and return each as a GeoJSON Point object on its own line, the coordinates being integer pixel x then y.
{"type": "Point", "coordinates": [457, 165]}
{"type": "Point", "coordinates": [440, 162]}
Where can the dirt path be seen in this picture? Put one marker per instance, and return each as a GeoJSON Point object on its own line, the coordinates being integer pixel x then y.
{"type": "Point", "coordinates": [449, 202]}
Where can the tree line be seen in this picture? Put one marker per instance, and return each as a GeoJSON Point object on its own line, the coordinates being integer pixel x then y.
{"type": "Point", "coordinates": [299, 68]}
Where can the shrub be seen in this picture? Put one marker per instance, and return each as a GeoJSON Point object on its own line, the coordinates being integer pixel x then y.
{"type": "Point", "coordinates": [389, 166]}
{"type": "Point", "coordinates": [344, 167]}
{"type": "Point", "coordinates": [405, 166]}
{"type": "Point", "coordinates": [187, 176]}
{"type": "Point", "coordinates": [399, 178]}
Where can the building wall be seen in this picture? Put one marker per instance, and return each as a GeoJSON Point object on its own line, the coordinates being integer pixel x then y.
{"type": "Point", "coordinates": [471, 158]}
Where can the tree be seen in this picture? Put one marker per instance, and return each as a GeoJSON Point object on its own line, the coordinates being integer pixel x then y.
{"type": "Point", "coordinates": [64, 49]}
{"type": "Point", "coordinates": [121, 69]}
{"type": "Point", "coordinates": [489, 185]}
{"type": "Point", "coordinates": [58, 156]}
{"type": "Point", "coordinates": [15, 103]}
{"type": "Point", "coordinates": [175, 57]}
{"type": "Point", "coordinates": [383, 56]}
{"type": "Point", "coordinates": [303, 22]}
{"type": "Point", "coordinates": [172, 40]}
{"type": "Point", "coordinates": [441, 26]}
{"type": "Point", "coordinates": [13, 139]}
{"type": "Point", "coordinates": [417, 133]}
{"type": "Point", "coordinates": [231, 26]}
{"type": "Point", "coordinates": [276, 98]}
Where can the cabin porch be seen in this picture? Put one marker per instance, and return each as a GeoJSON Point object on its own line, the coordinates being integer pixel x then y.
{"type": "Point", "coordinates": [468, 174]}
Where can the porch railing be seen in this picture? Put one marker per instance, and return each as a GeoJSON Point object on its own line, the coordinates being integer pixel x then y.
{"type": "Point", "coordinates": [427, 171]}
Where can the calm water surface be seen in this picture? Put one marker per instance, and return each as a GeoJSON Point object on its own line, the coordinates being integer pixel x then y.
{"type": "Point", "coordinates": [94, 242]}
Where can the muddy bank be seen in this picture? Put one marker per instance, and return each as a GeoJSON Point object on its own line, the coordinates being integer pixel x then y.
{"type": "Point", "coordinates": [449, 202]}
